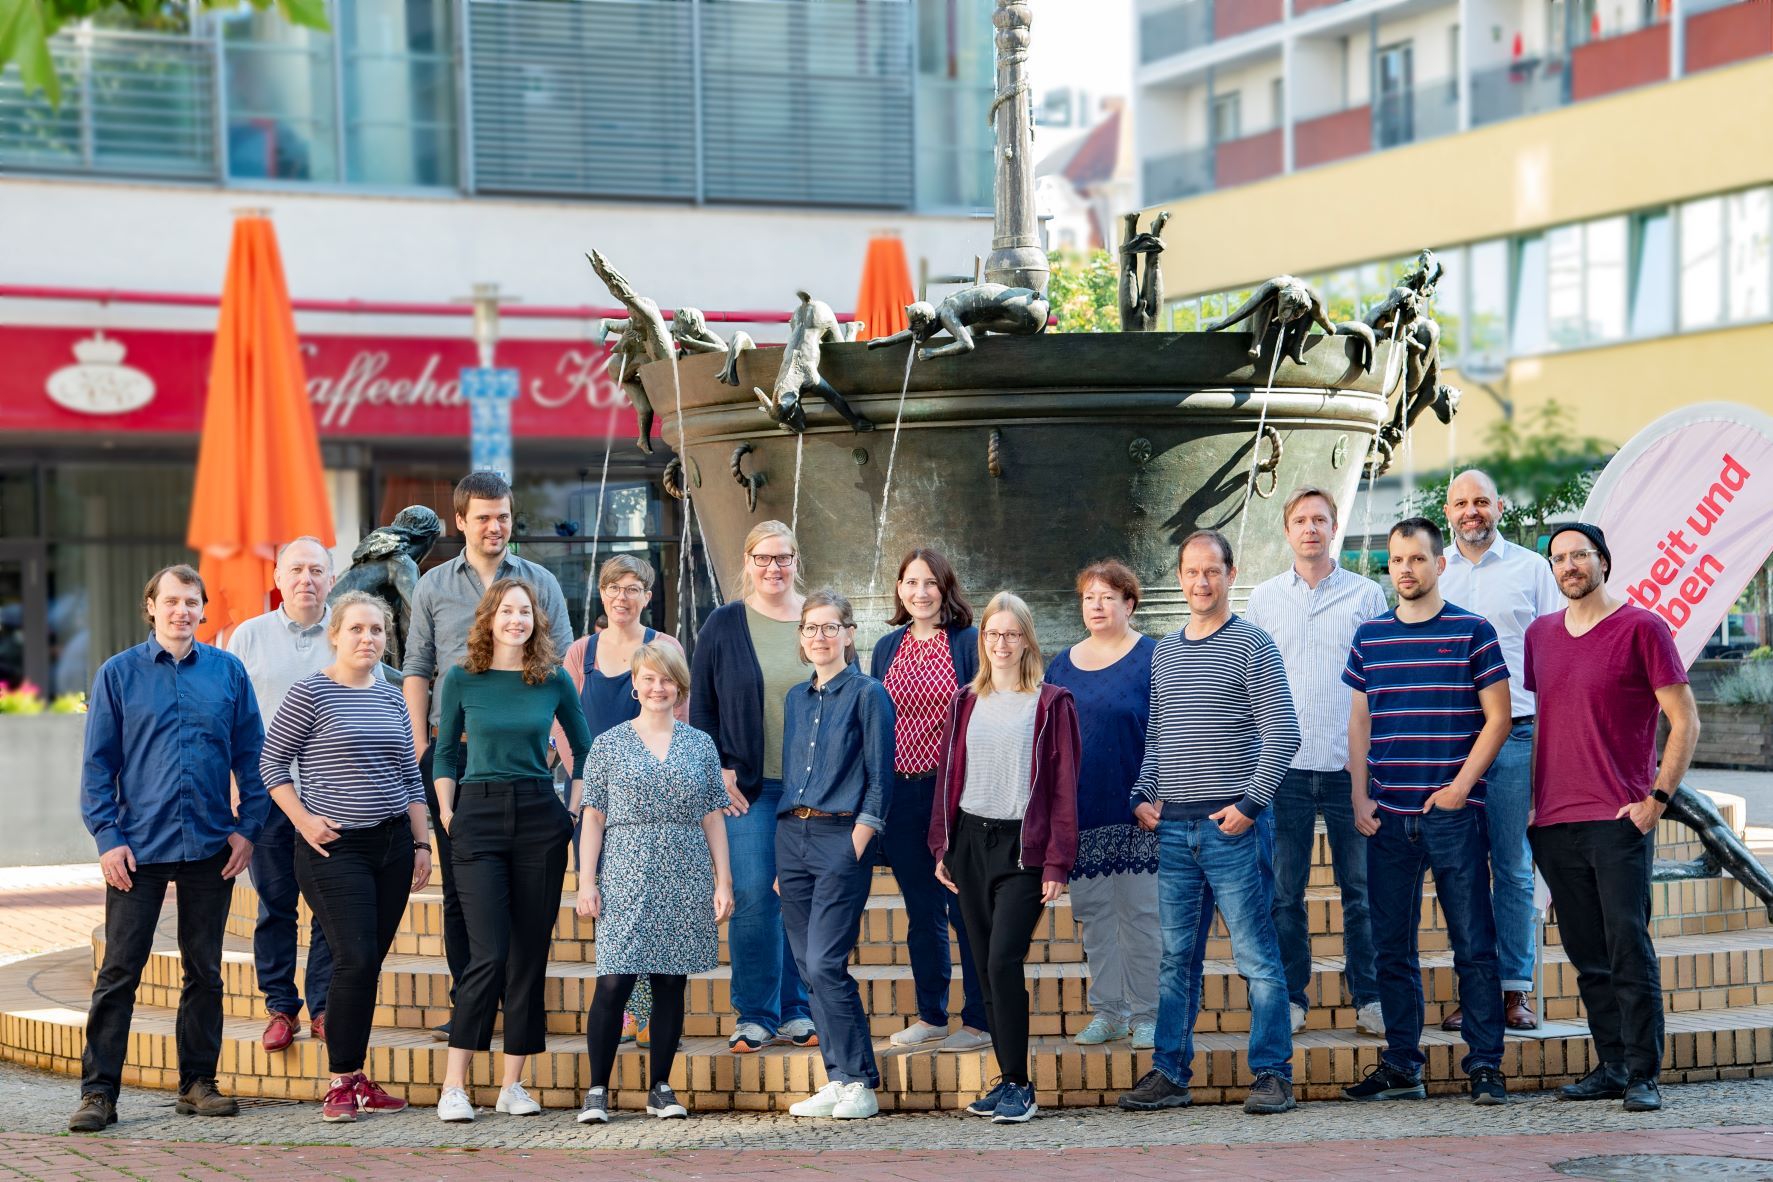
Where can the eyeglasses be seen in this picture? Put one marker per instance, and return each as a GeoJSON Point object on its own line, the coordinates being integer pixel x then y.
{"type": "Point", "coordinates": [626, 591]}
{"type": "Point", "coordinates": [1002, 637]}
{"type": "Point", "coordinates": [1572, 558]}
{"type": "Point", "coordinates": [765, 561]}
{"type": "Point", "coordinates": [828, 631]}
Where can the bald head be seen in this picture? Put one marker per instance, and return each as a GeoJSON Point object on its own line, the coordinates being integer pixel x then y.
{"type": "Point", "coordinates": [304, 578]}
{"type": "Point", "coordinates": [1474, 506]}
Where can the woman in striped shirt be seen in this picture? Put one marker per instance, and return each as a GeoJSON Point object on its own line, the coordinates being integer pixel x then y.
{"type": "Point", "coordinates": [360, 808]}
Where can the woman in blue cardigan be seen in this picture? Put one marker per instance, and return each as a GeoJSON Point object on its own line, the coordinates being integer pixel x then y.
{"type": "Point", "coordinates": [923, 662]}
{"type": "Point", "coordinates": [747, 659]}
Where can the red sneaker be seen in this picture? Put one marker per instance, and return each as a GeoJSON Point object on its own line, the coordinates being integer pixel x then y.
{"type": "Point", "coordinates": [371, 1098]}
{"type": "Point", "coordinates": [317, 1028]}
{"type": "Point", "coordinates": [280, 1031]}
{"type": "Point", "coordinates": [341, 1099]}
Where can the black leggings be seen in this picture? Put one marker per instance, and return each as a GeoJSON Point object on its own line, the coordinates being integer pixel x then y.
{"type": "Point", "coordinates": [603, 1029]}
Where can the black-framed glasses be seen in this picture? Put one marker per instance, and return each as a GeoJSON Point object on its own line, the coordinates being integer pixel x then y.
{"type": "Point", "coordinates": [1002, 637]}
{"type": "Point", "coordinates": [828, 631]}
{"type": "Point", "coordinates": [765, 561]}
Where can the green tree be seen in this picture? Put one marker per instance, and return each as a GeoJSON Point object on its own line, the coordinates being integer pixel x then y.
{"type": "Point", "coordinates": [27, 25]}
{"type": "Point", "coordinates": [1542, 468]}
{"type": "Point", "coordinates": [1083, 290]}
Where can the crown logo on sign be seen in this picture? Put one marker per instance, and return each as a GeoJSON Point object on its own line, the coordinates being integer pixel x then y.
{"type": "Point", "coordinates": [98, 349]}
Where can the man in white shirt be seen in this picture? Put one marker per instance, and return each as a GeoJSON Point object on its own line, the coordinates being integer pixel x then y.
{"type": "Point", "coordinates": [1311, 610]}
{"type": "Point", "coordinates": [1510, 586]}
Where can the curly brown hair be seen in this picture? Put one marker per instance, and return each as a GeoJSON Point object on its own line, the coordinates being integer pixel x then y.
{"type": "Point", "coordinates": [539, 658]}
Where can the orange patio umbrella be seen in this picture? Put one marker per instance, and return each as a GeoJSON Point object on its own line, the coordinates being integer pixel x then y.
{"type": "Point", "coordinates": [259, 478]}
{"type": "Point", "coordinates": [886, 288]}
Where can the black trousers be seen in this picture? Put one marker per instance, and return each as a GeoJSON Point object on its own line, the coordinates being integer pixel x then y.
{"type": "Point", "coordinates": [603, 1025]}
{"type": "Point", "coordinates": [1000, 905]}
{"type": "Point", "coordinates": [509, 843]}
{"type": "Point", "coordinates": [358, 891]}
{"type": "Point", "coordinates": [455, 928]}
{"type": "Point", "coordinates": [131, 918]}
{"type": "Point", "coordinates": [1599, 875]}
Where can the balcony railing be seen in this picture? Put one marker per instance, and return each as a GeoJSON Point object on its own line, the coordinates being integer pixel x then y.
{"type": "Point", "coordinates": [1178, 29]}
{"type": "Point", "coordinates": [1178, 175]}
{"type": "Point", "coordinates": [137, 105]}
{"type": "Point", "coordinates": [1720, 32]}
{"type": "Point", "coordinates": [1422, 113]}
{"type": "Point", "coordinates": [1611, 64]}
{"type": "Point", "coordinates": [1525, 87]}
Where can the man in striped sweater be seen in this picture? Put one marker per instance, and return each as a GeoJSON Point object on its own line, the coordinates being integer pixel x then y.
{"type": "Point", "coordinates": [1221, 738]}
{"type": "Point", "coordinates": [1430, 712]}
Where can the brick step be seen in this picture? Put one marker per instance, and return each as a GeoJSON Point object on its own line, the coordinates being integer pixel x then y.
{"type": "Point", "coordinates": [43, 1000]}
{"type": "Point", "coordinates": [1698, 972]}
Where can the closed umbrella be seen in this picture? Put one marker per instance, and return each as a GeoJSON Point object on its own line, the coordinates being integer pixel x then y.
{"type": "Point", "coordinates": [886, 288]}
{"type": "Point", "coordinates": [259, 478]}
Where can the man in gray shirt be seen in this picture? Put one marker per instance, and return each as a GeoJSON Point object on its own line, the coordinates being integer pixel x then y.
{"type": "Point", "coordinates": [442, 612]}
{"type": "Point", "coordinates": [278, 649]}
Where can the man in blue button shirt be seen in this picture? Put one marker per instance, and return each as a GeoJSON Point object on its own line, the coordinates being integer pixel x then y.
{"type": "Point", "coordinates": [169, 720]}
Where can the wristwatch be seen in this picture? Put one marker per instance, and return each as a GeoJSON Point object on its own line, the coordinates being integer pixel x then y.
{"type": "Point", "coordinates": [1660, 796]}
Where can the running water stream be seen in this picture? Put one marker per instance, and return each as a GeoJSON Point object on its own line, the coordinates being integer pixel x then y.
{"type": "Point", "coordinates": [886, 488]}
{"type": "Point", "coordinates": [685, 552]}
{"type": "Point", "coordinates": [1243, 517]}
{"type": "Point", "coordinates": [1384, 393]}
{"type": "Point", "coordinates": [799, 454]}
{"type": "Point", "coordinates": [609, 442]}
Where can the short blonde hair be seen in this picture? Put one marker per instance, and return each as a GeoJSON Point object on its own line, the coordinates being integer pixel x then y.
{"type": "Point", "coordinates": [626, 564]}
{"type": "Point", "coordinates": [760, 532]}
{"type": "Point", "coordinates": [1305, 492]}
{"type": "Point", "coordinates": [662, 658]}
{"type": "Point", "coordinates": [1032, 664]}
{"type": "Point", "coordinates": [350, 599]}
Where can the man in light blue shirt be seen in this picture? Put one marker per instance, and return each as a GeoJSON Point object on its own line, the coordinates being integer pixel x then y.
{"type": "Point", "coordinates": [1510, 586]}
{"type": "Point", "coordinates": [1311, 610]}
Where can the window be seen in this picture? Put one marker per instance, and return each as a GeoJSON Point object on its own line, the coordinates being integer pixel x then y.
{"type": "Point", "coordinates": [1227, 118]}
{"type": "Point", "coordinates": [1277, 102]}
{"type": "Point", "coordinates": [1747, 279]}
{"type": "Point", "coordinates": [955, 71]}
{"type": "Point", "coordinates": [1527, 302]}
{"type": "Point", "coordinates": [282, 105]}
{"type": "Point", "coordinates": [1449, 304]}
{"type": "Point", "coordinates": [1563, 286]}
{"type": "Point", "coordinates": [1652, 273]}
{"type": "Point", "coordinates": [1604, 280]}
{"type": "Point", "coordinates": [1487, 334]}
{"type": "Point", "coordinates": [1702, 245]}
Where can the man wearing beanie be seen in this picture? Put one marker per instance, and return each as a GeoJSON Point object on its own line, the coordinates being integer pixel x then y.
{"type": "Point", "coordinates": [1606, 668]}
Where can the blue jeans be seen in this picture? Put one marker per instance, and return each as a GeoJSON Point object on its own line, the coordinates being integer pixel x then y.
{"type": "Point", "coordinates": [274, 936]}
{"type": "Point", "coordinates": [1508, 797]}
{"type": "Point", "coordinates": [1198, 866]}
{"type": "Point", "coordinates": [930, 908]}
{"type": "Point", "coordinates": [1302, 796]}
{"type": "Point", "coordinates": [765, 986]}
{"type": "Point", "coordinates": [824, 889]}
{"type": "Point", "coordinates": [1453, 845]}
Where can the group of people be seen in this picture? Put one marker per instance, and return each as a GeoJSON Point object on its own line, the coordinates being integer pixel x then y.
{"type": "Point", "coordinates": [762, 782]}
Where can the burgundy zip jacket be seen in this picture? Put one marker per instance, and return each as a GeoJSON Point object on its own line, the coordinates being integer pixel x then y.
{"type": "Point", "coordinates": [1049, 824]}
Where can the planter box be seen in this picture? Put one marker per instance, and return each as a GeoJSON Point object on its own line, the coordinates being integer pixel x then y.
{"type": "Point", "coordinates": [40, 756]}
{"type": "Point", "coordinates": [1735, 736]}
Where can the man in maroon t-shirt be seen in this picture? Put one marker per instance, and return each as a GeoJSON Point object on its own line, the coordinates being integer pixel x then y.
{"type": "Point", "coordinates": [1602, 670]}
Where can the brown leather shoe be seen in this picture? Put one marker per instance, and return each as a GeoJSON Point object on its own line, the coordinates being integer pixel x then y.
{"type": "Point", "coordinates": [317, 1028]}
{"type": "Point", "coordinates": [1519, 1011]}
{"type": "Point", "coordinates": [96, 1111]}
{"type": "Point", "coordinates": [280, 1031]}
{"type": "Point", "coordinates": [202, 1099]}
{"type": "Point", "coordinates": [1454, 1021]}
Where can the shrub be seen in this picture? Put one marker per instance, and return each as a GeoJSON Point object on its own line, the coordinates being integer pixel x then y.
{"type": "Point", "coordinates": [1751, 685]}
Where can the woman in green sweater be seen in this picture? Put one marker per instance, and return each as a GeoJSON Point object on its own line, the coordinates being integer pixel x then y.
{"type": "Point", "coordinates": [508, 831]}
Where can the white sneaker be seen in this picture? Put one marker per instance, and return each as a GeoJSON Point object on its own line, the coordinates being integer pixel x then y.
{"type": "Point", "coordinates": [918, 1032]}
{"type": "Point", "coordinates": [596, 1108]}
{"type": "Point", "coordinates": [965, 1040]}
{"type": "Point", "coordinates": [1298, 1016]}
{"type": "Point", "coordinates": [821, 1103]}
{"type": "Point", "coordinates": [1144, 1036]}
{"type": "Point", "coordinates": [1100, 1030]}
{"type": "Point", "coordinates": [454, 1106]}
{"type": "Point", "coordinates": [517, 1102]}
{"type": "Point", "coordinates": [858, 1102]}
{"type": "Point", "coordinates": [1371, 1019]}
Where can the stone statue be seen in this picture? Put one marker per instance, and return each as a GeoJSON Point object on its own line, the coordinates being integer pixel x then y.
{"type": "Point", "coordinates": [386, 564]}
{"type": "Point", "coordinates": [1724, 851]}
{"type": "Point", "coordinates": [1141, 300]}
{"type": "Point", "coordinates": [691, 334]}
{"type": "Point", "coordinates": [643, 338]}
{"type": "Point", "coordinates": [813, 326]}
{"type": "Point", "coordinates": [981, 308]}
{"type": "Point", "coordinates": [1287, 305]}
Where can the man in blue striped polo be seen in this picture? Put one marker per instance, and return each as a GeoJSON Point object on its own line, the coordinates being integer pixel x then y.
{"type": "Point", "coordinates": [1430, 711]}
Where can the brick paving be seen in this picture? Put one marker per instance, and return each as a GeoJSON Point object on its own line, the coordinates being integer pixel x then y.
{"type": "Point", "coordinates": [49, 907]}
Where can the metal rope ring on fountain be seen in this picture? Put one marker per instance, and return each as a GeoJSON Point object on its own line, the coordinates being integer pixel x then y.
{"type": "Point", "coordinates": [1271, 466]}
{"type": "Point", "coordinates": [671, 479]}
{"type": "Point", "coordinates": [749, 481]}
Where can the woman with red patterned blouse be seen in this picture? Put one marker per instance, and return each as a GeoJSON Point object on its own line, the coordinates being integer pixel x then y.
{"type": "Point", "coordinates": [923, 662]}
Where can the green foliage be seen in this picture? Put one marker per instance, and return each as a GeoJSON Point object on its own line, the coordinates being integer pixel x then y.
{"type": "Point", "coordinates": [1543, 469]}
{"type": "Point", "coordinates": [1764, 653]}
{"type": "Point", "coordinates": [1751, 685]}
{"type": "Point", "coordinates": [27, 25]}
{"type": "Point", "coordinates": [1084, 290]}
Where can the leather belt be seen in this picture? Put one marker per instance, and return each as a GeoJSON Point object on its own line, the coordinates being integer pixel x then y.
{"type": "Point", "coordinates": [804, 813]}
{"type": "Point", "coordinates": [1520, 718]}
